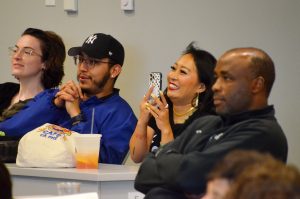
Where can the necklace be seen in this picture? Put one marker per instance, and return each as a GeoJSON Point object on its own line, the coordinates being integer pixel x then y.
{"type": "Point", "coordinates": [185, 113]}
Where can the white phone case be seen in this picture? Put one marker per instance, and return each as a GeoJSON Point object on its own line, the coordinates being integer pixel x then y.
{"type": "Point", "coordinates": [156, 80]}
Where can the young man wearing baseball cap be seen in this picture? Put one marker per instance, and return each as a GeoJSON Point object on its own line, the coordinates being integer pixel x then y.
{"type": "Point", "coordinates": [93, 104]}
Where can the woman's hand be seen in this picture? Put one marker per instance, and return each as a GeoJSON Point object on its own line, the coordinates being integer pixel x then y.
{"type": "Point", "coordinates": [160, 111]}
{"type": "Point", "coordinates": [144, 108]}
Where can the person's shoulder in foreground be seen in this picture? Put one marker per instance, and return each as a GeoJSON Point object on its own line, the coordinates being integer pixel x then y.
{"type": "Point", "coordinates": [268, 180]}
{"type": "Point", "coordinates": [228, 169]}
{"type": "Point", "coordinates": [5, 182]}
{"type": "Point", "coordinates": [94, 104]}
{"type": "Point", "coordinates": [244, 78]}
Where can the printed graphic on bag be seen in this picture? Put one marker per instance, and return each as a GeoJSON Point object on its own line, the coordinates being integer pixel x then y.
{"type": "Point", "coordinates": [53, 132]}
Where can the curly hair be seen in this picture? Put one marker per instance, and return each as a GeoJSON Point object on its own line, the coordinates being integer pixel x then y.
{"type": "Point", "coordinates": [233, 164]}
{"type": "Point", "coordinates": [270, 180]}
{"type": "Point", "coordinates": [54, 54]}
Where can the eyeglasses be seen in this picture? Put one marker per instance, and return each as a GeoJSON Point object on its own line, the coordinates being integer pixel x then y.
{"type": "Point", "coordinates": [27, 52]}
{"type": "Point", "coordinates": [90, 63]}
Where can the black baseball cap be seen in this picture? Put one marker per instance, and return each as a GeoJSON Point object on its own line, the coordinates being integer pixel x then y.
{"type": "Point", "coordinates": [99, 46]}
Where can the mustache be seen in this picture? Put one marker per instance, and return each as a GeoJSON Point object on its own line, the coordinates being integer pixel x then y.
{"type": "Point", "coordinates": [82, 75]}
{"type": "Point", "coordinates": [218, 97]}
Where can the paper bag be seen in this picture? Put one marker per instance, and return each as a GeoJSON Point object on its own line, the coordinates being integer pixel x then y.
{"type": "Point", "coordinates": [48, 146]}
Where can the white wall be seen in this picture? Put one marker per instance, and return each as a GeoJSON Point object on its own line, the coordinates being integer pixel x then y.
{"type": "Point", "coordinates": [158, 30]}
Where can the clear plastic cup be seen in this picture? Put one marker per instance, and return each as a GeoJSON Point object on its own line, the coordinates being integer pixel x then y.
{"type": "Point", "coordinates": [67, 188]}
{"type": "Point", "coordinates": [87, 150]}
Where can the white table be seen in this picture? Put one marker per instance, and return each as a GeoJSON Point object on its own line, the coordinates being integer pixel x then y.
{"type": "Point", "coordinates": [109, 181]}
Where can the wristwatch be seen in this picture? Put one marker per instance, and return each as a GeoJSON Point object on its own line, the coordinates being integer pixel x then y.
{"type": "Point", "coordinates": [76, 119]}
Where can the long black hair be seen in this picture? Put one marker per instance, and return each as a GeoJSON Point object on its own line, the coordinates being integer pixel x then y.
{"type": "Point", "coordinates": [205, 64]}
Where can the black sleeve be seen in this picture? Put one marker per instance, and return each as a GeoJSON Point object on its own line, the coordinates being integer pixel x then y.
{"type": "Point", "coordinates": [7, 91]}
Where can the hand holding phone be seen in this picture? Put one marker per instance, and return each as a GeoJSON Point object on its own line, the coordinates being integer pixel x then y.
{"type": "Point", "coordinates": [155, 80]}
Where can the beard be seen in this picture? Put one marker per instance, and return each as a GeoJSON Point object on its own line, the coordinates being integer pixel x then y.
{"type": "Point", "coordinates": [100, 84]}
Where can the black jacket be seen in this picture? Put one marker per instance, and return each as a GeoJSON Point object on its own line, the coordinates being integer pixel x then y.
{"type": "Point", "coordinates": [183, 164]}
{"type": "Point", "coordinates": [7, 91]}
{"type": "Point", "coordinates": [8, 145]}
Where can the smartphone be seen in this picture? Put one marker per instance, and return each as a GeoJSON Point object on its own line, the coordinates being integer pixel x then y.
{"type": "Point", "coordinates": [155, 79]}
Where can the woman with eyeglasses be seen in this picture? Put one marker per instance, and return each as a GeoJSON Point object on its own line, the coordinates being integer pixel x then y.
{"type": "Point", "coordinates": [187, 97]}
{"type": "Point", "coordinates": [37, 63]}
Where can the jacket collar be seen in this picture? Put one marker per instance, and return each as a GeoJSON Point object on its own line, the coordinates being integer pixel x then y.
{"type": "Point", "coordinates": [94, 99]}
{"type": "Point", "coordinates": [238, 117]}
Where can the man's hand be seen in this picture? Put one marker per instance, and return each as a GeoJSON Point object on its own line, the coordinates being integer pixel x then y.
{"type": "Point", "coordinates": [69, 96]}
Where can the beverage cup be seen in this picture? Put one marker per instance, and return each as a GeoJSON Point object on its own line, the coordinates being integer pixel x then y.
{"type": "Point", "coordinates": [67, 188]}
{"type": "Point", "coordinates": [87, 148]}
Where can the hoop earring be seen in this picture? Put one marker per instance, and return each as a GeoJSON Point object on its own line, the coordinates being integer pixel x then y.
{"type": "Point", "coordinates": [195, 101]}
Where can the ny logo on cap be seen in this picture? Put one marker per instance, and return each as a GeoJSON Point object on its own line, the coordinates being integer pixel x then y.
{"type": "Point", "coordinates": [91, 39]}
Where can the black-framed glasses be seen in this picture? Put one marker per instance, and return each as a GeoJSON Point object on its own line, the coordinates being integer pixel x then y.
{"type": "Point", "coordinates": [89, 62]}
{"type": "Point", "coordinates": [26, 52]}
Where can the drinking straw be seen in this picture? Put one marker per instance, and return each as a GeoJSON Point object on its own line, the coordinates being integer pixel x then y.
{"type": "Point", "coordinates": [92, 123]}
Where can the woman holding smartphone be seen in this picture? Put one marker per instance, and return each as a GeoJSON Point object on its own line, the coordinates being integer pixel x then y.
{"type": "Point", "coordinates": [187, 97]}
